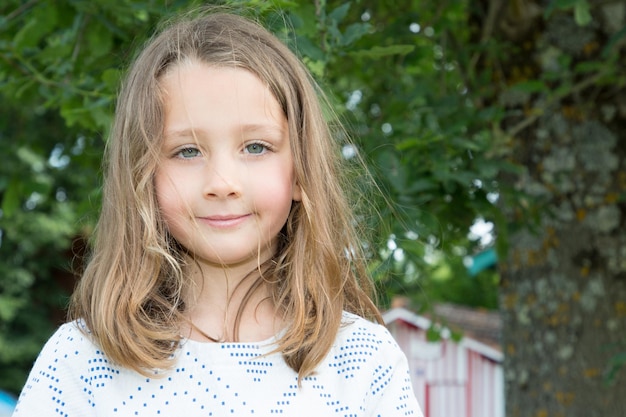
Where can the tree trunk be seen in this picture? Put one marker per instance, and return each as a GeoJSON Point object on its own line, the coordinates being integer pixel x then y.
{"type": "Point", "coordinates": [563, 291]}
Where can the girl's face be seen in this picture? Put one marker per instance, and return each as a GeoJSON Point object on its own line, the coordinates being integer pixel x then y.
{"type": "Point", "coordinates": [225, 182]}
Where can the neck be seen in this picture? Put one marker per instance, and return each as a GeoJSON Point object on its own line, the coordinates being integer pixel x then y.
{"type": "Point", "coordinates": [229, 305]}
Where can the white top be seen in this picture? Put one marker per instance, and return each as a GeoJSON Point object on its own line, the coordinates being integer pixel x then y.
{"type": "Point", "coordinates": [364, 374]}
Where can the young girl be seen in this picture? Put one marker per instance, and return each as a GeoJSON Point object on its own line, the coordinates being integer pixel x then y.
{"type": "Point", "coordinates": [225, 277]}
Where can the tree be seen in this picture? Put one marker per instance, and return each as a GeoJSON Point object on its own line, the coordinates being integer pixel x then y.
{"type": "Point", "coordinates": [524, 101]}
{"type": "Point", "coordinates": [558, 69]}
{"type": "Point", "coordinates": [463, 110]}
{"type": "Point", "coordinates": [59, 68]}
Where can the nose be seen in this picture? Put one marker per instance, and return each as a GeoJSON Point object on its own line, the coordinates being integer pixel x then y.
{"type": "Point", "coordinates": [221, 178]}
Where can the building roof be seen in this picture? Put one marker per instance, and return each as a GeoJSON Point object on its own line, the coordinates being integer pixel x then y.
{"type": "Point", "coordinates": [478, 323]}
{"type": "Point", "coordinates": [470, 323]}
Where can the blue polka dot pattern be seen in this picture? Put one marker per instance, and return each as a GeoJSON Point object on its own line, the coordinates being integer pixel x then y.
{"type": "Point", "coordinates": [364, 374]}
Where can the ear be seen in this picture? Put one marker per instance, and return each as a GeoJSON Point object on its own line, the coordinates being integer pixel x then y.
{"type": "Point", "coordinates": [296, 194]}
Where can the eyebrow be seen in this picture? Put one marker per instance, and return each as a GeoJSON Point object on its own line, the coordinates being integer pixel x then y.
{"type": "Point", "coordinates": [245, 128]}
{"type": "Point", "coordinates": [262, 127]}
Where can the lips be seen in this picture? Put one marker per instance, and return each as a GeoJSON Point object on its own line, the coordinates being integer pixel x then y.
{"type": "Point", "coordinates": [224, 221]}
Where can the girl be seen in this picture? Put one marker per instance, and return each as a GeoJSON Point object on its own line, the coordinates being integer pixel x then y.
{"type": "Point", "coordinates": [224, 277]}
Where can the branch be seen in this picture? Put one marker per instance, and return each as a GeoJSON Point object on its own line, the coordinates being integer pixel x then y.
{"type": "Point", "coordinates": [15, 13]}
{"type": "Point", "coordinates": [488, 25]}
{"type": "Point", "coordinates": [79, 36]}
{"type": "Point", "coordinates": [29, 70]}
{"type": "Point", "coordinates": [554, 98]}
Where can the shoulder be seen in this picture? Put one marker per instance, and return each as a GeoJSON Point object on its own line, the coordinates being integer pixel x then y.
{"type": "Point", "coordinates": [367, 359]}
{"type": "Point", "coordinates": [69, 341]}
{"type": "Point", "coordinates": [63, 373]}
{"type": "Point", "coordinates": [72, 332]}
{"type": "Point", "coordinates": [368, 344]}
{"type": "Point", "coordinates": [357, 329]}
{"type": "Point", "coordinates": [69, 351]}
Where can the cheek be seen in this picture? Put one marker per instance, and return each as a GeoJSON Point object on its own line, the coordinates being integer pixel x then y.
{"type": "Point", "coordinates": [275, 192]}
{"type": "Point", "coordinates": [174, 212]}
{"type": "Point", "coordinates": [278, 181]}
{"type": "Point", "coordinates": [168, 197]}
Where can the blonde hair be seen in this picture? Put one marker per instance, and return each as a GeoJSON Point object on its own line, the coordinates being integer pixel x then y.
{"type": "Point", "coordinates": [130, 294]}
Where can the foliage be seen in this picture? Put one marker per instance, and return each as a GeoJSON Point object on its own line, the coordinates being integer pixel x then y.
{"type": "Point", "coordinates": [403, 78]}
{"type": "Point", "coordinates": [617, 363]}
{"type": "Point", "coordinates": [59, 69]}
{"type": "Point", "coordinates": [61, 63]}
{"type": "Point", "coordinates": [428, 141]}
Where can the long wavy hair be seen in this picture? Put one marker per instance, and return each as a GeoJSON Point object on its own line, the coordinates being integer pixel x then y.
{"type": "Point", "coordinates": [130, 296]}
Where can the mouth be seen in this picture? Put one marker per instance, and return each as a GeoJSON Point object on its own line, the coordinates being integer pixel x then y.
{"type": "Point", "coordinates": [225, 221]}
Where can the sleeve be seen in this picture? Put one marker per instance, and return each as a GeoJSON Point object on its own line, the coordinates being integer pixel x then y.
{"type": "Point", "coordinates": [391, 391]}
{"type": "Point", "coordinates": [59, 383]}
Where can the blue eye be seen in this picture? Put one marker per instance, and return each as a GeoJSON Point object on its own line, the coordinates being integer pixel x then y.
{"type": "Point", "coordinates": [187, 153]}
{"type": "Point", "coordinates": [255, 148]}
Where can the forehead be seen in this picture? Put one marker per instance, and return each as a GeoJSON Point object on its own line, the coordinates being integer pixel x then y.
{"type": "Point", "coordinates": [201, 95]}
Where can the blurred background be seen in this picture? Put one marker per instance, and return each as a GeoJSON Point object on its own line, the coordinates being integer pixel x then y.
{"type": "Point", "coordinates": [496, 131]}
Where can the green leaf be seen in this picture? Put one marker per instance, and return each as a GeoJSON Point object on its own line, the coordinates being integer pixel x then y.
{"type": "Point", "coordinates": [306, 48]}
{"type": "Point", "coordinates": [393, 170]}
{"type": "Point", "coordinates": [531, 86]}
{"type": "Point", "coordinates": [559, 5]}
{"type": "Point", "coordinates": [378, 52]}
{"type": "Point", "coordinates": [354, 32]}
{"type": "Point", "coordinates": [34, 160]}
{"type": "Point", "coordinates": [41, 24]}
{"type": "Point", "coordinates": [614, 40]}
{"type": "Point", "coordinates": [616, 362]}
{"type": "Point", "coordinates": [589, 66]}
{"type": "Point", "coordinates": [433, 334]}
{"type": "Point", "coordinates": [463, 143]}
{"type": "Point", "coordinates": [9, 307]}
{"type": "Point", "coordinates": [111, 77]}
{"type": "Point", "coordinates": [338, 14]}
{"type": "Point", "coordinates": [456, 336]}
{"type": "Point", "coordinates": [11, 198]}
{"type": "Point", "coordinates": [23, 40]}
{"type": "Point", "coordinates": [421, 185]}
{"type": "Point", "coordinates": [102, 117]}
{"type": "Point", "coordinates": [99, 41]}
{"type": "Point", "coordinates": [25, 87]}
{"type": "Point", "coordinates": [582, 14]}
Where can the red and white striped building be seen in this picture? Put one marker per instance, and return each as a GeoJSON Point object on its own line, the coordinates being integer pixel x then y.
{"type": "Point", "coordinates": [450, 379]}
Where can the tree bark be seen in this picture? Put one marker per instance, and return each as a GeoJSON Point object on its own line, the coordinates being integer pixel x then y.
{"type": "Point", "coordinates": [563, 288]}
